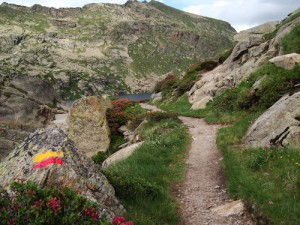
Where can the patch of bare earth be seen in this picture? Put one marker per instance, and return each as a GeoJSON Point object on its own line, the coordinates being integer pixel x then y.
{"type": "Point", "coordinates": [202, 196]}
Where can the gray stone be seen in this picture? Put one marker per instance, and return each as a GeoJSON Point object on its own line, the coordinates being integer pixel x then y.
{"type": "Point", "coordinates": [230, 209]}
{"type": "Point", "coordinates": [279, 125]}
{"type": "Point", "coordinates": [88, 125]}
{"type": "Point", "coordinates": [257, 31]}
{"type": "Point", "coordinates": [74, 171]}
{"type": "Point", "coordinates": [121, 155]}
{"type": "Point", "coordinates": [286, 61]}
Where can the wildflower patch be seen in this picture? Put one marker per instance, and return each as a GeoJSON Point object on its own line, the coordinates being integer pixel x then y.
{"type": "Point", "coordinates": [45, 159]}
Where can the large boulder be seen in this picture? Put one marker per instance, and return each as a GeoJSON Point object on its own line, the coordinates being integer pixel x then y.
{"type": "Point", "coordinates": [286, 61]}
{"type": "Point", "coordinates": [88, 125]}
{"type": "Point", "coordinates": [49, 158]}
{"type": "Point", "coordinates": [279, 125]}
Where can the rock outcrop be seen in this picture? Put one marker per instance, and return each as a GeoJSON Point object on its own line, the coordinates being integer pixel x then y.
{"type": "Point", "coordinates": [49, 158]}
{"type": "Point", "coordinates": [252, 51]}
{"type": "Point", "coordinates": [278, 126]}
{"type": "Point", "coordinates": [105, 48]}
{"type": "Point", "coordinates": [25, 105]}
{"type": "Point", "coordinates": [88, 125]}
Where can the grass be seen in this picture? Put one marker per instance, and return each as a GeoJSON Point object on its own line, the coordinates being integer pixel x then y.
{"type": "Point", "coordinates": [145, 180]}
{"type": "Point", "coordinates": [267, 179]}
{"type": "Point", "coordinates": [291, 42]}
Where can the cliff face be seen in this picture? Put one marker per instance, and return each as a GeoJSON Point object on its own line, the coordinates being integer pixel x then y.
{"type": "Point", "coordinates": [105, 48]}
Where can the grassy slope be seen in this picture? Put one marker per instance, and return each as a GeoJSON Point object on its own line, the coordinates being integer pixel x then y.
{"type": "Point", "coordinates": [144, 181]}
{"type": "Point", "coordinates": [267, 179]}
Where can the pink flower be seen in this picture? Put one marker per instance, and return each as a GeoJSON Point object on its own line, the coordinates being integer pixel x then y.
{"type": "Point", "coordinates": [127, 223]}
{"type": "Point", "coordinates": [119, 220]}
{"type": "Point", "coordinates": [92, 212]}
{"type": "Point", "coordinates": [54, 204]}
{"type": "Point", "coordinates": [37, 203]}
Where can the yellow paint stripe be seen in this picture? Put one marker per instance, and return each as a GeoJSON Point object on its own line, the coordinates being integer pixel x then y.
{"type": "Point", "coordinates": [47, 155]}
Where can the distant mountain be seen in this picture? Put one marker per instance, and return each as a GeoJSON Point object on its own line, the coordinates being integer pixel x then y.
{"type": "Point", "coordinates": [105, 48]}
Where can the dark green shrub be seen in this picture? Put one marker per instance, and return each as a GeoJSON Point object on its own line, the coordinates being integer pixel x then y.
{"type": "Point", "coordinates": [30, 204]}
{"type": "Point", "coordinates": [187, 82]}
{"type": "Point", "coordinates": [166, 84]}
{"type": "Point", "coordinates": [202, 66]}
{"type": "Point", "coordinates": [100, 157]}
{"type": "Point", "coordinates": [224, 55]}
{"type": "Point", "coordinates": [131, 188]}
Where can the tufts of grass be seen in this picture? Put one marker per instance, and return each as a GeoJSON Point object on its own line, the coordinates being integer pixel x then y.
{"type": "Point", "coordinates": [291, 42]}
{"type": "Point", "coordinates": [268, 179]}
{"type": "Point", "coordinates": [145, 180]}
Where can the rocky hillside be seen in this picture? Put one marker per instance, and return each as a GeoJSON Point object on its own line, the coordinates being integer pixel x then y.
{"type": "Point", "coordinates": [104, 48]}
{"type": "Point", "coordinates": [261, 75]}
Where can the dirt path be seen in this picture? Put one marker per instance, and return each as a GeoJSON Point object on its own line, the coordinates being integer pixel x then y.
{"type": "Point", "coordinates": [202, 196]}
{"type": "Point", "coordinates": [203, 190]}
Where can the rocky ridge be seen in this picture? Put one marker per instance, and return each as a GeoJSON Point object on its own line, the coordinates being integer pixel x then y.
{"type": "Point", "coordinates": [252, 51]}
{"type": "Point", "coordinates": [279, 125]}
{"type": "Point", "coordinates": [104, 48]}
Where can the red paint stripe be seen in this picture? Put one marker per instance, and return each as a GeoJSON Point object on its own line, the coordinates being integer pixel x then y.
{"type": "Point", "coordinates": [47, 162]}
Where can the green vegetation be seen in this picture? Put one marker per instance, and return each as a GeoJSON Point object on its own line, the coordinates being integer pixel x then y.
{"type": "Point", "coordinates": [271, 83]}
{"type": "Point", "coordinates": [31, 204]}
{"type": "Point", "coordinates": [149, 56]}
{"type": "Point", "coordinates": [14, 16]}
{"type": "Point", "coordinates": [291, 42]}
{"type": "Point", "coordinates": [145, 180]}
{"type": "Point", "coordinates": [267, 179]}
{"type": "Point", "coordinates": [269, 36]}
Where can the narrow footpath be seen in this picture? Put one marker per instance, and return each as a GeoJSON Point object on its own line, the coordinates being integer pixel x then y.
{"type": "Point", "coordinates": [202, 195]}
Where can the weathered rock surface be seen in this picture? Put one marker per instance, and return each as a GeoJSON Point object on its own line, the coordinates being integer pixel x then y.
{"type": "Point", "coordinates": [105, 48]}
{"type": "Point", "coordinates": [257, 31]}
{"type": "Point", "coordinates": [251, 51]}
{"type": "Point", "coordinates": [68, 169]}
{"type": "Point", "coordinates": [88, 125]}
{"type": "Point", "coordinates": [279, 125]}
{"type": "Point", "coordinates": [60, 122]}
{"type": "Point", "coordinates": [286, 61]}
{"type": "Point", "coordinates": [121, 155]}
{"type": "Point", "coordinates": [230, 209]}
{"type": "Point", "coordinates": [25, 105]}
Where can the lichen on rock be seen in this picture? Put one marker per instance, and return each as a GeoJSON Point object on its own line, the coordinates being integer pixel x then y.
{"type": "Point", "coordinates": [88, 125]}
{"type": "Point", "coordinates": [49, 158]}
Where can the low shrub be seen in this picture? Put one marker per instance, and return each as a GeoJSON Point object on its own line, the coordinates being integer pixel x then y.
{"type": "Point", "coordinates": [115, 116]}
{"type": "Point", "coordinates": [202, 66]}
{"type": "Point", "coordinates": [170, 82]}
{"type": "Point", "coordinates": [221, 57]}
{"type": "Point", "coordinates": [27, 203]}
{"type": "Point", "coordinates": [187, 82]}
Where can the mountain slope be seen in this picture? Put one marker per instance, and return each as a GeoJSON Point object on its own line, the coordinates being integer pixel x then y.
{"type": "Point", "coordinates": [105, 48]}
